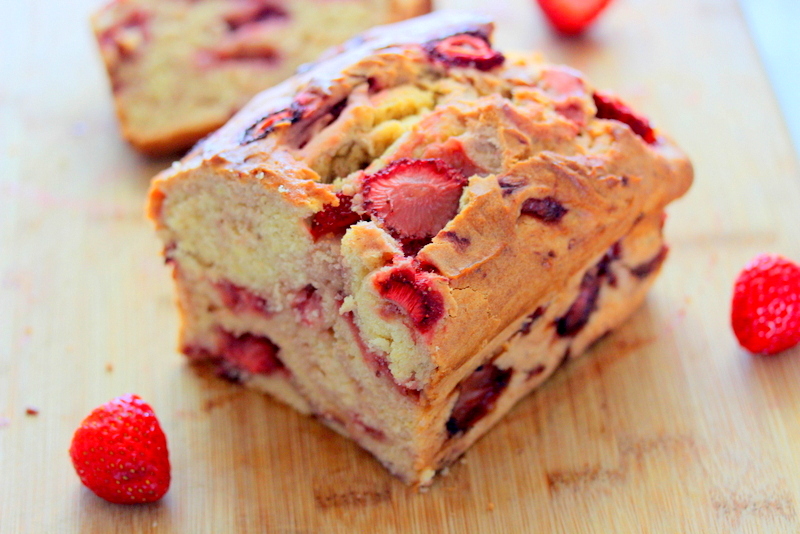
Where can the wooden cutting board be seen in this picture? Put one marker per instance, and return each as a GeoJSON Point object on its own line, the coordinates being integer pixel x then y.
{"type": "Point", "coordinates": [667, 426]}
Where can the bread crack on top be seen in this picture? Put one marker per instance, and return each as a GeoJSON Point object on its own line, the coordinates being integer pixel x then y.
{"type": "Point", "coordinates": [413, 233]}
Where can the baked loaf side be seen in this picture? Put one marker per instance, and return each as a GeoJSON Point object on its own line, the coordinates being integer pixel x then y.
{"type": "Point", "coordinates": [415, 232]}
{"type": "Point", "coordinates": [180, 69]}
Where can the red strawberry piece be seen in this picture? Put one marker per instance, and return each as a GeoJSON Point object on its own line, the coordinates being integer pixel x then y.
{"type": "Point", "coordinates": [547, 209]}
{"type": "Point", "coordinates": [237, 50]}
{"type": "Point", "coordinates": [765, 312]}
{"type": "Point", "coordinates": [252, 353]}
{"type": "Point", "coordinates": [645, 269]}
{"type": "Point", "coordinates": [478, 394]}
{"type": "Point", "coordinates": [240, 299]}
{"type": "Point", "coordinates": [252, 12]}
{"type": "Point", "coordinates": [264, 126]}
{"type": "Point", "coordinates": [414, 199]}
{"type": "Point", "coordinates": [414, 293]}
{"type": "Point", "coordinates": [580, 312]}
{"type": "Point", "coordinates": [120, 452]}
{"type": "Point", "coordinates": [573, 112]}
{"type": "Point", "coordinates": [465, 50]}
{"type": "Point", "coordinates": [572, 17]}
{"type": "Point", "coordinates": [525, 329]}
{"type": "Point", "coordinates": [610, 107]}
{"type": "Point", "coordinates": [123, 40]}
{"type": "Point", "coordinates": [312, 103]}
{"type": "Point", "coordinates": [562, 81]}
{"type": "Point", "coordinates": [363, 428]}
{"type": "Point", "coordinates": [453, 153]}
{"type": "Point", "coordinates": [308, 306]}
{"type": "Point", "coordinates": [308, 106]}
{"type": "Point", "coordinates": [334, 219]}
{"type": "Point", "coordinates": [246, 21]}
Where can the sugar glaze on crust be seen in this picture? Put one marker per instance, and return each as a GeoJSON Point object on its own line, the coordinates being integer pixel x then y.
{"type": "Point", "coordinates": [409, 236]}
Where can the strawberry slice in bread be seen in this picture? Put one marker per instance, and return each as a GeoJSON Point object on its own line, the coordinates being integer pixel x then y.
{"type": "Point", "coordinates": [180, 68]}
{"type": "Point", "coordinates": [414, 233]}
{"type": "Point", "coordinates": [413, 199]}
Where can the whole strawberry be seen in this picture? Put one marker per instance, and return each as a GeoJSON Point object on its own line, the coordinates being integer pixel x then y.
{"type": "Point", "coordinates": [765, 313]}
{"type": "Point", "coordinates": [120, 452]}
{"type": "Point", "coordinates": [572, 17]}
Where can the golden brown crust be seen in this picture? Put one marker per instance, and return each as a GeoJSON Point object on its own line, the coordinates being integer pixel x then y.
{"type": "Point", "coordinates": [169, 143]}
{"type": "Point", "coordinates": [605, 197]}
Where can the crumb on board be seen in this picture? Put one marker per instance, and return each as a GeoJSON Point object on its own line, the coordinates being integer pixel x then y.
{"type": "Point", "coordinates": [28, 330]}
{"type": "Point", "coordinates": [31, 410]}
{"type": "Point", "coordinates": [109, 367]}
{"type": "Point", "coordinates": [490, 506]}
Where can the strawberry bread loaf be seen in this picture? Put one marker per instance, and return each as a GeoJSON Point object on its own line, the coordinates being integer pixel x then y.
{"type": "Point", "coordinates": [180, 68]}
{"type": "Point", "coordinates": [414, 233]}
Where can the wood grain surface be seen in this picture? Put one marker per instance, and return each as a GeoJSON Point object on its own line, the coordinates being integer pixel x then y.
{"type": "Point", "coordinates": [667, 426]}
